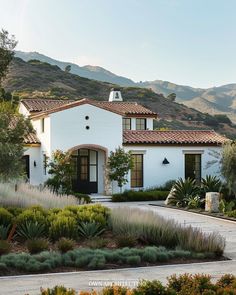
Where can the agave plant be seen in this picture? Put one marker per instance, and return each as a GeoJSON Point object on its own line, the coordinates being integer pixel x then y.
{"type": "Point", "coordinates": [90, 230]}
{"type": "Point", "coordinates": [4, 231]}
{"type": "Point", "coordinates": [182, 190]}
{"type": "Point", "coordinates": [194, 202]}
{"type": "Point", "coordinates": [211, 184]}
{"type": "Point", "coordinates": [31, 230]}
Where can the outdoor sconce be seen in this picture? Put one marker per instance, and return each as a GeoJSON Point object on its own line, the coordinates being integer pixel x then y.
{"type": "Point", "coordinates": [35, 164]}
{"type": "Point", "coordinates": [165, 162]}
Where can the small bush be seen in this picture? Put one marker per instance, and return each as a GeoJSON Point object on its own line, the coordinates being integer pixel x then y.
{"type": "Point", "coordinates": [125, 241]}
{"type": "Point", "coordinates": [150, 288]}
{"type": "Point", "coordinates": [232, 213]}
{"type": "Point", "coordinates": [82, 198]}
{"type": "Point", "coordinates": [5, 217]}
{"type": "Point", "coordinates": [133, 260]}
{"type": "Point", "coordinates": [226, 281]}
{"type": "Point", "coordinates": [58, 290]}
{"type": "Point", "coordinates": [149, 255]}
{"type": "Point", "coordinates": [4, 231]}
{"type": "Point", "coordinates": [33, 215]}
{"type": "Point", "coordinates": [90, 230]}
{"type": "Point", "coordinates": [37, 245]}
{"type": "Point", "coordinates": [63, 226]}
{"type": "Point", "coordinates": [64, 245]}
{"type": "Point", "coordinates": [131, 196]}
{"type": "Point", "coordinates": [97, 262]}
{"type": "Point", "coordinates": [5, 247]}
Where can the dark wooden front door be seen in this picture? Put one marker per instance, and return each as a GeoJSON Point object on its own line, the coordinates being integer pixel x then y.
{"type": "Point", "coordinates": [86, 178]}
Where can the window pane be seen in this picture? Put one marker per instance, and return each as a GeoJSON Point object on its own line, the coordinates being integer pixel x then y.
{"type": "Point", "coordinates": [193, 166]}
{"type": "Point", "coordinates": [93, 157]}
{"type": "Point", "coordinates": [137, 171]}
{"type": "Point", "coordinates": [141, 124]}
{"type": "Point", "coordinates": [126, 124]}
{"type": "Point", "coordinates": [93, 173]}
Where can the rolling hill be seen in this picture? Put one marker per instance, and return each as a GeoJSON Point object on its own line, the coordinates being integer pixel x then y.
{"type": "Point", "coordinates": [42, 80]}
{"type": "Point", "coordinates": [215, 100]}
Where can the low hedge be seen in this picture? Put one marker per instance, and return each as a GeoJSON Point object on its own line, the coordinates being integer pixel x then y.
{"type": "Point", "coordinates": [94, 259]}
{"type": "Point", "coordinates": [131, 196]}
{"type": "Point", "coordinates": [185, 284]}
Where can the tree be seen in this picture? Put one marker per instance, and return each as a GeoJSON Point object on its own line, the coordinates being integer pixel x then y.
{"type": "Point", "coordinates": [68, 68]}
{"type": "Point", "coordinates": [13, 128]}
{"type": "Point", "coordinates": [228, 165]}
{"type": "Point", "coordinates": [119, 164]}
{"type": "Point", "coordinates": [171, 96]}
{"type": "Point", "coordinates": [7, 45]}
{"type": "Point", "coordinates": [62, 170]}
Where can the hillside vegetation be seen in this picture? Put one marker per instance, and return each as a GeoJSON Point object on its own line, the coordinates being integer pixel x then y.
{"type": "Point", "coordinates": [35, 79]}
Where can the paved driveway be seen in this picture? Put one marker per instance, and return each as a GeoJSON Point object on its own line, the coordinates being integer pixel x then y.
{"type": "Point", "coordinates": [85, 280]}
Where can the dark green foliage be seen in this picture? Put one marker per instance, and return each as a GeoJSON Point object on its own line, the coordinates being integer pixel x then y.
{"type": "Point", "coordinates": [97, 262]}
{"type": "Point", "coordinates": [226, 281]}
{"type": "Point", "coordinates": [63, 226]}
{"type": "Point", "coordinates": [90, 230]}
{"type": "Point", "coordinates": [97, 243]}
{"type": "Point", "coordinates": [64, 245]}
{"type": "Point", "coordinates": [125, 241]}
{"type": "Point", "coordinates": [194, 202]}
{"type": "Point", "coordinates": [35, 246]}
{"type": "Point", "coordinates": [133, 260]}
{"type": "Point", "coordinates": [5, 247]}
{"type": "Point", "coordinates": [150, 255]}
{"type": "Point", "coordinates": [221, 118]}
{"type": "Point", "coordinates": [6, 217]}
{"type": "Point", "coordinates": [34, 215]}
{"type": "Point", "coordinates": [211, 184]}
{"type": "Point", "coordinates": [4, 231]}
{"type": "Point", "coordinates": [182, 190]}
{"type": "Point", "coordinates": [130, 196]}
{"type": "Point", "coordinates": [232, 213]}
{"type": "Point", "coordinates": [31, 230]}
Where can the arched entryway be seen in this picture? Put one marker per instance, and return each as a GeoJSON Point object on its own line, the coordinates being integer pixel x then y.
{"type": "Point", "coordinates": [89, 168]}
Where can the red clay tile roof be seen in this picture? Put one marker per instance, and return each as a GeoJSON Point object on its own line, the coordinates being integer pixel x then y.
{"type": "Point", "coordinates": [40, 107]}
{"type": "Point", "coordinates": [183, 137]}
{"type": "Point", "coordinates": [31, 138]}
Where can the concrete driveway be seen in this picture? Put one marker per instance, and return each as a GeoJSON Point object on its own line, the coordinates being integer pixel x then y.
{"type": "Point", "coordinates": [31, 284]}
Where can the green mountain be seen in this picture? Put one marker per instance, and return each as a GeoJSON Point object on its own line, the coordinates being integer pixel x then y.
{"type": "Point", "coordinates": [215, 100]}
{"type": "Point", "coordinates": [36, 79]}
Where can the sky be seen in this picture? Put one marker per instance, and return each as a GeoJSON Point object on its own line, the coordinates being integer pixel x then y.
{"type": "Point", "coordinates": [188, 42]}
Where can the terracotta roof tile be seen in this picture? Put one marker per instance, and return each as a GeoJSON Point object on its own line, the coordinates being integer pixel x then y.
{"type": "Point", "coordinates": [204, 137]}
{"type": "Point", "coordinates": [31, 138]}
{"type": "Point", "coordinates": [39, 107]}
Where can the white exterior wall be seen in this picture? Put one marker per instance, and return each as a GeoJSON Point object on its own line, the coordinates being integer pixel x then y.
{"type": "Point", "coordinates": [36, 175]}
{"type": "Point", "coordinates": [23, 110]}
{"type": "Point", "coordinates": [155, 173]}
{"type": "Point", "coordinates": [68, 128]}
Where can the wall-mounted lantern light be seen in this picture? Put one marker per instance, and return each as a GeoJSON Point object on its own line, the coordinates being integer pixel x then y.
{"type": "Point", "coordinates": [35, 164]}
{"type": "Point", "coordinates": [165, 162]}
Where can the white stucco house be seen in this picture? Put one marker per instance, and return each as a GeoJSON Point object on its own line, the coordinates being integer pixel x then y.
{"type": "Point", "coordinates": [91, 129]}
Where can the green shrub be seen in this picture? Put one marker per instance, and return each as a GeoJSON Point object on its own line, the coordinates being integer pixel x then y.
{"type": "Point", "coordinates": [34, 215]}
{"type": "Point", "coordinates": [63, 226]}
{"type": "Point", "coordinates": [82, 198]}
{"type": "Point", "coordinates": [97, 262]}
{"type": "Point", "coordinates": [183, 189]}
{"type": "Point", "coordinates": [232, 213]}
{"type": "Point", "coordinates": [150, 288]}
{"type": "Point", "coordinates": [150, 255]}
{"type": "Point", "coordinates": [6, 217]}
{"type": "Point", "coordinates": [64, 245]}
{"type": "Point", "coordinates": [226, 280]}
{"type": "Point", "coordinates": [131, 196]}
{"type": "Point", "coordinates": [90, 230]}
{"type": "Point", "coordinates": [211, 184]}
{"type": "Point", "coordinates": [133, 260]}
{"type": "Point", "coordinates": [31, 230]}
{"type": "Point", "coordinates": [5, 247]}
{"type": "Point", "coordinates": [125, 241]}
{"type": "Point", "coordinates": [58, 290]}
{"type": "Point", "coordinates": [4, 231]}
{"type": "Point", "coordinates": [37, 245]}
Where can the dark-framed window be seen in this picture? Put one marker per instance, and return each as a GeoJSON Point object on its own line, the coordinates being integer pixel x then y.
{"type": "Point", "coordinates": [126, 123]}
{"type": "Point", "coordinates": [42, 125]}
{"type": "Point", "coordinates": [26, 163]}
{"type": "Point", "coordinates": [193, 167]}
{"type": "Point", "coordinates": [141, 124]}
{"type": "Point", "coordinates": [45, 163]}
{"type": "Point", "coordinates": [137, 171]}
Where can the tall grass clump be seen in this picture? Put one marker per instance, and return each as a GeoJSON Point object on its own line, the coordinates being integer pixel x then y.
{"type": "Point", "coordinates": [149, 227]}
{"type": "Point", "coordinates": [27, 196]}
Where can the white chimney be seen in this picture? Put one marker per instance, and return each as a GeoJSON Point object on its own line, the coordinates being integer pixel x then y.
{"type": "Point", "coordinates": [115, 95]}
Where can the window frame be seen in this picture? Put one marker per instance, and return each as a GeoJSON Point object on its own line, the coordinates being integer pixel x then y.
{"type": "Point", "coordinates": [138, 181]}
{"type": "Point", "coordinates": [139, 123]}
{"type": "Point", "coordinates": [42, 125]}
{"type": "Point", "coordinates": [124, 123]}
{"type": "Point", "coordinates": [195, 155]}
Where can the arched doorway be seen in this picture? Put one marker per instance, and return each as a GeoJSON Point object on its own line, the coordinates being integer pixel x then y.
{"type": "Point", "coordinates": [89, 168]}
